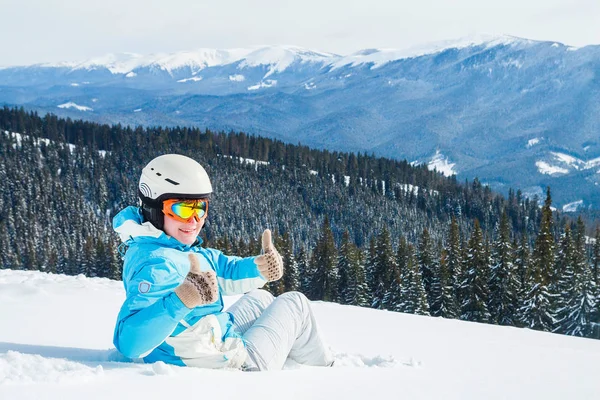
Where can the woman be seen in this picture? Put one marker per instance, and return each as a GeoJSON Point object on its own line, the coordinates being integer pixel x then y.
{"type": "Point", "coordinates": [173, 311]}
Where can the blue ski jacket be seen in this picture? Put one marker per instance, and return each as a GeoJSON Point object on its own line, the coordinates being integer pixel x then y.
{"type": "Point", "coordinates": [153, 323]}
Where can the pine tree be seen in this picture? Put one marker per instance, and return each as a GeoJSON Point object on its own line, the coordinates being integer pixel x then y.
{"type": "Point", "coordinates": [503, 281]}
{"type": "Point", "coordinates": [352, 280]}
{"type": "Point", "coordinates": [522, 268]}
{"type": "Point", "coordinates": [89, 261]}
{"type": "Point", "coordinates": [414, 298]}
{"type": "Point", "coordinates": [562, 287]}
{"type": "Point", "coordinates": [114, 261]}
{"type": "Point", "coordinates": [5, 249]}
{"type": "Point", "coordinates": [384, 269]}
{"type": "Point", "coordinates": [396, 295]}
{"type": "Point", "coordinates": [454, 259]}
{"type": "Point", "coordinates": [596, 259]}
{"type": "Point", "coordinates": [447, 306]}
{"type": "Point", "coordinates": [536, 311]}
{"type": "Point", "coordinates": [370, 268]}
{"type": "Point", "coordinates": [242, 249]}
{"type": "Point", "coordinates": [344, 260]}
{"type": "Point", "coordinates": [581, 301]}
{"type": "Point", "coordinates": [429, 271]}
{"type": "Point", "coordinates": [474, 285]}
{"type": "Point", "coordinates": [291, 277]}
{"type": "Point", "coordinates": [596, 279]}
{"type": "Point", "coordinates": [324, 264]}
{"type": "Point", "coordinates": [543, 253]}
{"type": "Point", "coordinates": [306, 272]}
{"type": "Point", "coordinates": [224, 244]}
{"type": "Point", "coordinates": [522, 261]}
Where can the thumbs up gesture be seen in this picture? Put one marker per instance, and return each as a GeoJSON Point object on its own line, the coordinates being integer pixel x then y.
{"type": "Point", "coordinates": [199, 287]}
{"type": "Point", "coordinates": [269, 263]}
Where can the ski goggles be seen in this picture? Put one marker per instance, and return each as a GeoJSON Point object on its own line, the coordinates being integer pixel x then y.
{"type": "Point", "coordinates": [183, 210]}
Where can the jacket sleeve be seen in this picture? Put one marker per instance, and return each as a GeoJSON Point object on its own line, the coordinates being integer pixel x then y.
{"type": "Point", "coordinates": [236, 275]}
{"type": "Point", "coordinates": [151, 311]}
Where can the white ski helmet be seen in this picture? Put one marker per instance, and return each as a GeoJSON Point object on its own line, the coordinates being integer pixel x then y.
{"type": "Point", "coordinates": [170, 176]}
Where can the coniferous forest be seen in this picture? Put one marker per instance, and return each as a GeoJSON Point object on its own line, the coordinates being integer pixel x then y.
{"type": "Point", "coordinates": [351, 228]}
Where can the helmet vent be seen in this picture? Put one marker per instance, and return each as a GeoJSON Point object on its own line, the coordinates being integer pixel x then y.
{"type": "Point", "coordinates": [171, 181]}
{"type": "Point", "coordinates": [145, 189]}
{"type": "Point", "coordinates": [159, 174]}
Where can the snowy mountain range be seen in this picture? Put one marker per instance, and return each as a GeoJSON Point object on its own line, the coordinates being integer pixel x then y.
{"type": "Point", "coordinates": [514, 112]}
{"type": "Point", "coordinates": [56, 343]}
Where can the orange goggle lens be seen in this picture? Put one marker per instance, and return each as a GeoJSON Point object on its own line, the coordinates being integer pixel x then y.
{"type": "Point", "coordinates": [183, 210]}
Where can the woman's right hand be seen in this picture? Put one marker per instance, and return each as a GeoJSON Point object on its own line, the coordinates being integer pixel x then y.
{"type": "Point", "coordinates": [199, 287]}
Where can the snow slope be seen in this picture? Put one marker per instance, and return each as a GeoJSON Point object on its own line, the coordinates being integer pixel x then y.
{"type": "Point", "coordinates": [441, 163]}
{"type": "Point", "coordinates": [70, 104]}
{"type": "Point", "coordinates": [56, 333]}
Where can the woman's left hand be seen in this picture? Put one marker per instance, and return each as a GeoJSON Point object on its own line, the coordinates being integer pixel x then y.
{"type": "Point", "coordinates": [270, 263]}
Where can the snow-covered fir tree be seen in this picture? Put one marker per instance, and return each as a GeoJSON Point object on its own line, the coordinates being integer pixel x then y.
{"type": "Point", "coordinates": [114, 261]}
{"type": "Point", "coordinates": [595, 265]}
{"type": "Point", "coordinates": [352, 284]}
{"type": "Point", "coordinates": [522, 261]}
{"type": "Point", "coordinates": [454, 258]}
{"type": "Point", "coordinates": [537, 306]}
{"type": "Point", "coordinates": [343, 266]}
{"type": "Point", "coordinates": [384, 269]}
{"type": "Point", "coordinates": [291, 276]}
{"type": "Point", "coordinates": [428, 266]}
{"type": "Point", "coordinates": [596, 258]}
{"type": "Point", "coordinates": [305, 268]}
{"type": "Point", "coordinates": [543, 261]}
{"type": "Point", "coordinates": [562, 287]}
{"type": "Point", "coordinates": [474, 285]}
{"type": "Point", "coordinates": [324, 264]}
{"type": "Point", "coordinates": [503, 282]}
{"type": "Point", "coordinates": [370, 269]}
{"type": "Point", "coordinates": [581, 298]}
{"type": "Point", "coordinates": [414, 298]}
{"type": "Point", "coordinates": [446, 303]}
{"type": "Point", "coordinates": [396, 295]}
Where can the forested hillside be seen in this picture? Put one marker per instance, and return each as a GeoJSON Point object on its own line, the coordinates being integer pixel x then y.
{"type": "Point", "coordinates": [352, 228]}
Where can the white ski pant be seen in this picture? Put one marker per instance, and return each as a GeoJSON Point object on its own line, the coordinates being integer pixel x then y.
{"type": "Point", "coordinates": [277, 328]}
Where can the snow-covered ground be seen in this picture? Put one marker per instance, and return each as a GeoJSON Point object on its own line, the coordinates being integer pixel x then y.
{"type": "Point", "coordinates": [70, 104]}
{"type": "Point", "coordinates": [547, 169]}
{"type": "Point", "coordinates": [263, 84]}
{"type": "Point", "coordinates": [533, 142]}
{"type": "Point", "coordinates": [441, 163]}
{"type": "Point", "coordinates": [56, 340]}
{"type": "Point", "coordinates": [20, 137]}
{"type": "Point", "coordinates": [572, 207]}
{"type": "Point", "coordinates": [567, 163]}
{"type": "Point", "coordinates": [237, 78]}
{"type": "Point", "coordinates": [192, 79]}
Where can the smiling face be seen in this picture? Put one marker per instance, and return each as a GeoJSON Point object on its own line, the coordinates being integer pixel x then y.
{"type": "Point", "coordinates": [185, 232]}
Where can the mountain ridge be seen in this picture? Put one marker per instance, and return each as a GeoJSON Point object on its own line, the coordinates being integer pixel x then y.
{"type": "Point", "coordinates": [208, 57]}
{"type": "Point", "coordinates": [479, 106]}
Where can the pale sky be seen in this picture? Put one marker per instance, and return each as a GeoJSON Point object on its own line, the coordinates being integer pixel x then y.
{"type": "Point", "coordinates": [34, 31]}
